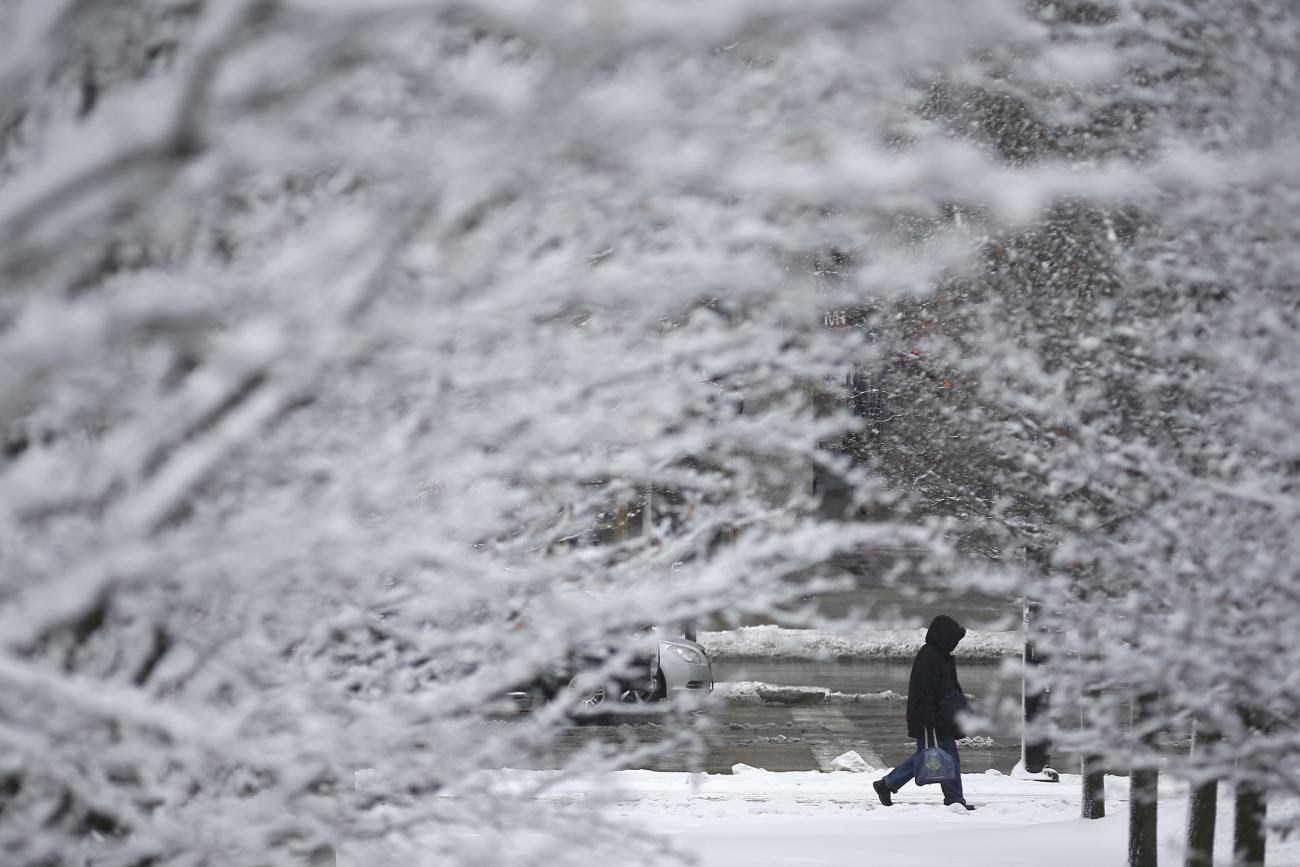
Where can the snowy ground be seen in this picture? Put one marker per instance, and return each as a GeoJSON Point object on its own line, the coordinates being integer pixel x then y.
{"type": "Point", "coordinates": [862, 643]}
{"type": "Point", "coordinates": [760, 819]}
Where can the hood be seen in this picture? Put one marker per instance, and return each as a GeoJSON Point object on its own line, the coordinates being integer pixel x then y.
{"type": "Point", "coordinates": [684, 642]}
{"type": "Point", "coordinates": [944, 634]}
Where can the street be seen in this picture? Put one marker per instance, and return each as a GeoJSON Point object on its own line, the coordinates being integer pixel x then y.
{"type": "Point", "coordinates": [807, 737]}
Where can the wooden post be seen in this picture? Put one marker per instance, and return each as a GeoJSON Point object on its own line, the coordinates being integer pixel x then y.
{"type": "Point", "coordinates": [1142, 841]}
{"type": "Point", "coordinates": [1143, 791]}
{"type": "Point", "coordinates": [1248, 833]}
{"type": "Point", "coordinates": [1094, 788]}
{"type": "Point", "coordinates": [1202, 809]}
{"type": "Point", "coordinates": [1248, 841]}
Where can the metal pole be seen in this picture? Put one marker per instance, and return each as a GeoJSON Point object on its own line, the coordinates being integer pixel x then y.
{"type": "Point", "coordinates": [1033, 753]}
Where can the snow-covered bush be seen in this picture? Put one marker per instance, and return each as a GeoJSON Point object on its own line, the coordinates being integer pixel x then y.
{"type": "Point", "coordinates": [344, 343]}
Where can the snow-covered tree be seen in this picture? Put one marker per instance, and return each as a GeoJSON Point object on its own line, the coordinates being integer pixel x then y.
{"type": "Point", "coordinates": [1126, 370]}
{"type": "Point", "coordinates": [332, 332]}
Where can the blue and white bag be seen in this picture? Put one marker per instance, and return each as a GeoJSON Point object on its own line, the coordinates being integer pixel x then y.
{"type": "Point", "coordinates": [934, 765]}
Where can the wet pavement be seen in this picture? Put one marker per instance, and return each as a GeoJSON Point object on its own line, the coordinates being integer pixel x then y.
{"type": "Point", "coordinates": [806, 737]}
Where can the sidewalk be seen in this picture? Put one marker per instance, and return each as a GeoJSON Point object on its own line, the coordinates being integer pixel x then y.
{"type": "Point", "coordinates": [757, 818]}
{"type": "Point", "coordinates": [762, 819]}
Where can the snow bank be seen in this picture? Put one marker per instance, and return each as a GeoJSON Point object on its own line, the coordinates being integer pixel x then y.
{"type": "Point", "coordinates": [748, 692]}
{"type": "Point", "coordinates": [851, 762]}
{"type": "Point", "coordinates": [778, 642]}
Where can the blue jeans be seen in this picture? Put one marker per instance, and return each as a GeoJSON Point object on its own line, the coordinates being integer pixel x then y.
{"type": "Point", "coordinates": [906, 770]}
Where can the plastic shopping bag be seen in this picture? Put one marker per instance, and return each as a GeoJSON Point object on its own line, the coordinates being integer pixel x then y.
{"type": "Point", "coordinates": [935, 765]}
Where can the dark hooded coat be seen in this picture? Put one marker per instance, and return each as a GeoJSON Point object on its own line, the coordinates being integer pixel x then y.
{"type": "Point", "coordinates": [934, 695]}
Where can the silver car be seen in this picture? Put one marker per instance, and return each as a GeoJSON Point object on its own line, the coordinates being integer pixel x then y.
{"type": "Point", "coordinates": [684, 667]}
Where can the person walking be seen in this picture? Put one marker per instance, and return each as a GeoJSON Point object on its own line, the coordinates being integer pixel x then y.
{"type": "Point", "coordinates": [934, 701]}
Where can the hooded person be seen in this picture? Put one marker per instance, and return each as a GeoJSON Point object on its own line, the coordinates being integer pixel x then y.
{"type": "Point", "coordinates": [935, 701]}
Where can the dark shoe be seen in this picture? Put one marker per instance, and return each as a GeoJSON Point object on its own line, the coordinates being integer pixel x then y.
{"type": "Point", "coordinates": [883, 792]}
{"type": "Point", "coordinates": [968, 807]}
